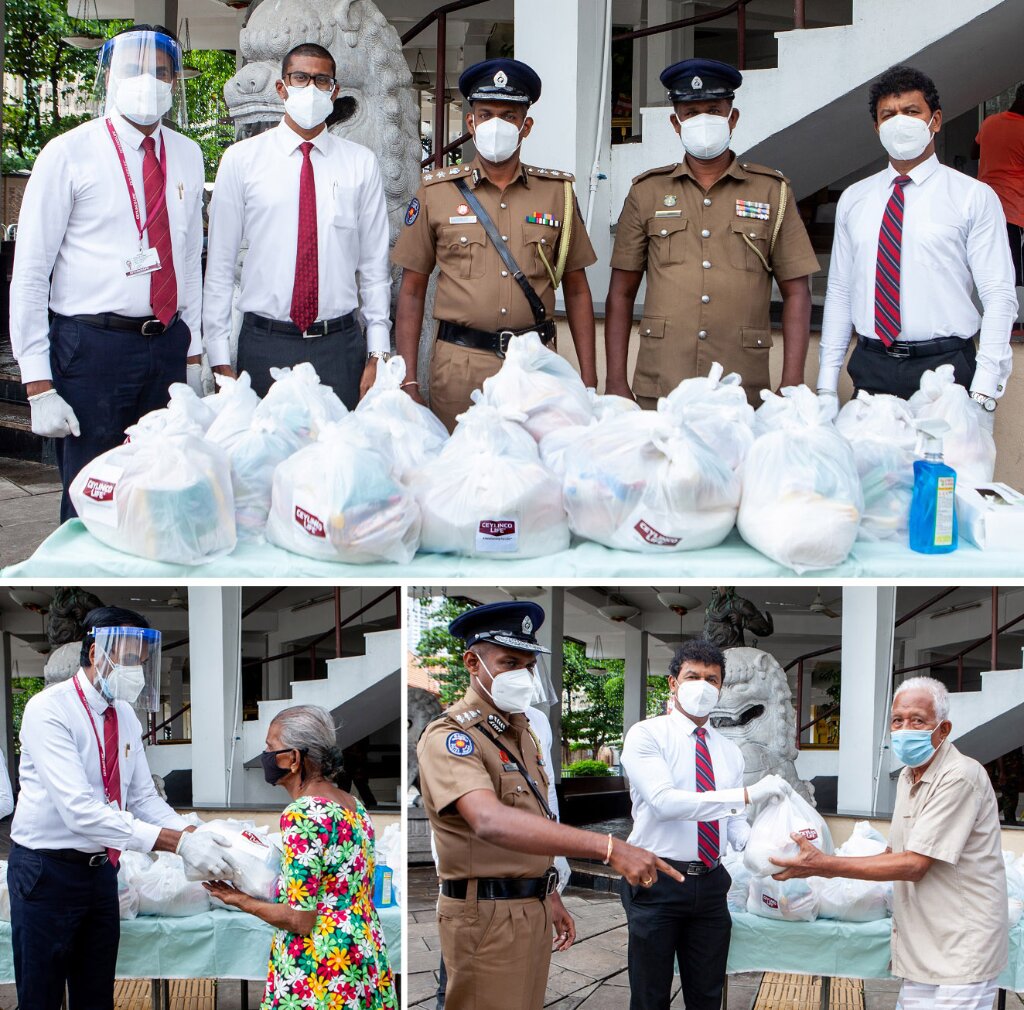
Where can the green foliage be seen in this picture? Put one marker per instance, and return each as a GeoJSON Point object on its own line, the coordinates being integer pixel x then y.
{"type": "Point", "coordinates": [582, 769]}
{"type": "Point", "coordinates": [24, 688]}
{"type": "Point", "coordinates": [657, 692]}
{"type": "Point", "coordinates": [439, 649]}
{"type": "Point", "coordinates": [204, 99]}
{"type": "Point", "coordinates": [590, 717]}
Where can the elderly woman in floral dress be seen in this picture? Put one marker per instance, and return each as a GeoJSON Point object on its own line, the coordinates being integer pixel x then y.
{"type": "Point", "coordinates": [328, 952]}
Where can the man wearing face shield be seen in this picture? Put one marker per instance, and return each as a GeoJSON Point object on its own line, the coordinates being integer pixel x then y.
{"type": "Point", "coordinates": [686, 783]}
{"type": "Point", "coordinates": [484, 783]}
{"type": "Point", "coordinates": [503, 236]}
{"type": "Point", "coordinates": [912, 244]}
{"type": "Point", "coordinates": [949, 913]}
{"type": "Point", "coordinates": [311, 207]}
{"type": "Point", "coordinates": [86, 795]}
{"type": "Point", "coordinates": [107, 285]}
{"type": "Point", "coordinates": [711, 233]}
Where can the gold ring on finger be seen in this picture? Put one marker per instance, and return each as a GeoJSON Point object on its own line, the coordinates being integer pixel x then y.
{"type": "Point", "coordinates": [647, 882]}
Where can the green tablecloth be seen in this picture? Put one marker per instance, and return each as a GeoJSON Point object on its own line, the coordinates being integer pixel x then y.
{"type": "Point", "coordinates": [216, 944]}
{"type": "Point", "coordinates": [71, 552]}
{"type": "Point", "coordinates": [826, 947]}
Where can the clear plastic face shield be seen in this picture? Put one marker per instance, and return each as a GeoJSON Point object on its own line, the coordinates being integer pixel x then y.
{"type": "Point", "coordinates": [127, 663]}
{"type": "Point", "coordinates": [139, 77]}
{"type": "Point", "coordinates": [501, 674]}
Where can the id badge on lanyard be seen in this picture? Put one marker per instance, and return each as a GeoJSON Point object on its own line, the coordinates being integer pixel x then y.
{"type": "Point", "coordinates": [146, 260]}
{"type": "Point", "coordinates": [113, 803]}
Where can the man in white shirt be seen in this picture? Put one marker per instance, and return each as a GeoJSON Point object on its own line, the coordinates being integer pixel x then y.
{"type": "Point", "coordinates": [107, 283]}
{"type": "Point", "coordinates": [686, 782]}
{"type": "Point", "coordinates": [86, 795]}
{"type": "Point", "coordinates": [911, 245]}
{"type": "Point", "coordinates": [311, 208]}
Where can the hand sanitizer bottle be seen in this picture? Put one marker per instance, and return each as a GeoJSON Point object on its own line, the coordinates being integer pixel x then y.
{"type": "Point", "coordinates": [933, 528]}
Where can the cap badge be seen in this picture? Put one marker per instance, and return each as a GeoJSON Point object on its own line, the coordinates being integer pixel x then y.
{"type": "Point", "coordinates": [527, 625]}
{"type": "Point", "coordinates": [696, 84]}
{"type": "Point", "coordinates": [670, 200]}
{"type": "Point", "coordinates": [500, 79]}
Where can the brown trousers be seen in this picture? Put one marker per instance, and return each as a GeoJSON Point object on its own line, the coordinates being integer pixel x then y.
{"type": "Point", "coordinates": [496, 953]}
{"type": "Point", "coordinates": [454, 373]}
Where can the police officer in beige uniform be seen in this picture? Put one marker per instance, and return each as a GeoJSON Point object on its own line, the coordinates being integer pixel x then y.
{"type": "Point", "coordinates": [479, 302]}
{"type": "Point", "coordinates": [484, 788]}
{"type": "Point", "coordinates": [711, 233]}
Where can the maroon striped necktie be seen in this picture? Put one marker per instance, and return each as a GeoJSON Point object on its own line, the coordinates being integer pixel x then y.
{"type": "Point", "coordinates": [888, 321]}
{"type": "Point", "coordinates": [111, 770]}
{"type": "Point", "coordinates": [305, 292]}
{"type": "Point", "coordinates": [163, 284]}
{"type": "Point", "coordinates": [708, 838]}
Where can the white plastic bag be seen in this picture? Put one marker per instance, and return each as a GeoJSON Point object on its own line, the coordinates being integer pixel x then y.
{"type": "Point", "coordinates": [300, 402]}
{"type": "Point", "coordinates": [336, 500]}
{"type": "Point", "coordinates": [233, 405]}
{"type": "Point", "coordinates": [855, 900]}
{"type": "Point", "coordinates": [640, 482]}
{"type": "Point", "coordinates": [163, 890]}
{"type": "Point", "coordinates": [557, 447]}
{"type": "Point", "coordinates": [771, 830]}
{"type": "Point", "coordinates": [127, 899]}
{"type": "Point", "coordinates": [257, 862]}
{"type": "Point", "coordinates": [488, 495]}
{"type": "Point", "coordinates": [541, 384]}
{"type": "Point", "coordinates": [880, 430]}
{"type": "Point", "coordinates": [736, 899]}
{"type": "Point", "coordinates": [792, 900]}
{"type": "Point", "coordinates": [967, 447]}
{"type": "Point", "coordinates": [162, 497]}
{"type": "Point", "coordinates": [715, 408]}
{"type": "Point", "coordinates": [802, 497]}
{"type": "Point", "coordinates": [605, 405]}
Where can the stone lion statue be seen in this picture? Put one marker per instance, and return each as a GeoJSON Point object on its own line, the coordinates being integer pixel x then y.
{"type": "Point", "coordinates": [376, 104]}
{"type": "Point", "coordinates": [424, 708]}
{"type": "Point", "coordinates": [755, 711]}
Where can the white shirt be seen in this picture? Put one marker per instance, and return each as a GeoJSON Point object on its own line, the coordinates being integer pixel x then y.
{"type": "Point", "coordinates": [76, 220]}
{"type": "Point", "coordinates": [660, 758]}
{"type": "Point", "coordinates": [954, 240]}
{"type": "Point", "coordinates": [256, 201]}
{"type": "Point", "coordinates": [61, 804]}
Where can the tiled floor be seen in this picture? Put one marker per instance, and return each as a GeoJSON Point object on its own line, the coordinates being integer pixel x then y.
{"type": "Point", "coordinates": [29, 508]}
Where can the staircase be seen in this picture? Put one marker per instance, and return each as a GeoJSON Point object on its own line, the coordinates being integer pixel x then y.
{"type": "Point", "coordinates": [989, 722]}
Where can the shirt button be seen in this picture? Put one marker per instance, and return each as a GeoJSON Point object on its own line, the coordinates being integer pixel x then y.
{"type": "Point", "coordinates": [753, 234]}
{"type": "Point", "coordinates": [706, 264]}
{"type": "Point", "coordinates": [705, 233]}
{"type": "Point", "coordinates": [504, 206]}
{"type": "Point", "coordinates": [504, 273]}
{"type": "Point", "coordinates": [664, 231]}
{"type": "Point", "coordinates": [705, 298]}
{"type": "Point", "coordinates": [519, 789]}
{"type": "Point", "coordinates": [703, 335]}
{"type": "Point", "coordinates": [463, 239]}
{"type": "Point", "coordinates": [647, 332]}
{"type": "Point", "coordinates": [707, 201]}
{"type": "Point", "coordinates": [504, 311]}
{"type": "Point", "coordinates": [543, 241]}
{"type": "Point", "coordinates": [504, 238]}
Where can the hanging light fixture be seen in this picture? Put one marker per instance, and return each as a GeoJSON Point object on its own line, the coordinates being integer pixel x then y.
{"type": "Point", "coordinates": [187, 70]}
{"type": "Point", "coordinates": [420, 77]}
{"type": "Point", "coordinates": [595, 666]}
{"type": "Point", "coordinates": [85, 37]}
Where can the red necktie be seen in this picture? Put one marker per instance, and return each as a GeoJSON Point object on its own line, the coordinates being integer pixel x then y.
{"type": "Point", "coordinates": [163, 285]}
{"type": "Point", "coordinates": [888, 322]}
{"type": "Point", "coordinates": [305, 292]}
{"type": "Point", "coordinates": [111, 768]}
{"type": "Point", "coordinates": [708, 839]}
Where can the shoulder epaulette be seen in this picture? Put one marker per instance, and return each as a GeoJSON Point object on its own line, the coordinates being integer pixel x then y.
{"type": "Point", "coordinates": [749, 166]}
{"type": "Point", "coordinates": [549, 173]}
{"type": "Point", "coordinates": [432, 176]}
{"type": "Point", "coordinates": [660, 170]}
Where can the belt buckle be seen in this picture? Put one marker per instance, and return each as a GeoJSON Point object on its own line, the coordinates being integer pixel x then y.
{"type": "Point", "coordinates": [147, 332]}
{"type": "Point", "coordinates": [895, 352]}
{"type": "Point", "coordinates": [552, 882]}
{"type": "Point", "coordinates": [99, 859]}
{"type": "Point", "coordinates": [503, 341]}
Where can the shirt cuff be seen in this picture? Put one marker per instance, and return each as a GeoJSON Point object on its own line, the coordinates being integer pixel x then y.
{"type": "Point", "coordinates": [828, 377]}
{"type": "Point", "coordinates": [218, 352]}
{"type": "Point", "coordinates": [738, 797]}
{"type": "Point", "coordinates": [144, 836]}
{"type": "Point", "coordinates": [378, 337]}
{"type": "Point", "coordinates": [988, 383]}
{"type": "Point", "coordinates": [195, 344]}
{"type": "Point", "coordinates": [35, 367]}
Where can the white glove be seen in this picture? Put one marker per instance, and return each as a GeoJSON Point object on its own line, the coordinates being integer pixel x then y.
{"type": "Point", "coordinates": [205, 854]}
{"type": "Point", "coordinates": [52, 415]}
{"type": "Point", "coordinates": [770, 787]}
{"type": "Point", "coordinates": [986, 418]}
{"type": "Point", "coordinates": [194, 378]}
{"type": "Point", "coordinates": [828, 404]}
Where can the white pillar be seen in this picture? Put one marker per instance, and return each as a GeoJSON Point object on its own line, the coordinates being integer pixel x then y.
{"type": "Point", "coordinates": [869, 613]}
{"type": "Point", "coordinates": [634, 708]}
{"type": "Point", "coordinates": [550, 635]}
{"type": "Point", "coordinates": [215, 649]}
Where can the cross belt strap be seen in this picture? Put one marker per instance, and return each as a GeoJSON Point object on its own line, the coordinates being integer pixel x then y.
{"type": "Point", "coordinates": [536, 305]}
{"type": "Point", "coordinates": [530, 781]}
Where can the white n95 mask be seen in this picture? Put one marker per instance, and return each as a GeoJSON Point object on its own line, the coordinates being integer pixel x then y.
{"type": "Point", "coordinates": [512, 691]}
{"type": "Point", "coordinates": [705, 136]}
{"type": "Point", "coordinates": [905, 137]}
{"type": "Point", "coordinates": [143, 99]}
{"type": "Point", "coordinates": [697, 697]}
{"type": "Point", "coordinates": [308, 106]}
{"type": "Point", "coordinates": [123, 683]}
{"type": "Point", "coordinates": [496, 140]}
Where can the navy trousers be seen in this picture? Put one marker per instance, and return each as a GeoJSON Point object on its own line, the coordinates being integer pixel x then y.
{"type": "Point", "coordinates": [64, 929]}
{"type": "Point", "coordinates": [110, 378]}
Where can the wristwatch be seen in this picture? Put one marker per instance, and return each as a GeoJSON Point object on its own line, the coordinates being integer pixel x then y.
{"type": "Point", "coordinates": [379, 355]}
{"type": "Point", "coordinates": [987, 402]}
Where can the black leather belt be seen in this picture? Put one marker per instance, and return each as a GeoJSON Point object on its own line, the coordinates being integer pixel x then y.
{"type": "Point", "coordinates": [496, 343]}
{"type": "Point", "coordinates": [93, 859]}
{"type": "Point", "coordinates": [913, 348]}
{"type": "Point", "coordinates": [503, 888]}
{"type": "Point", "coordinates": [287, 328]}
{"type": "Point", "coordinates": [695, 869]}
{"type": "Point", "coordinates": [146, 325]}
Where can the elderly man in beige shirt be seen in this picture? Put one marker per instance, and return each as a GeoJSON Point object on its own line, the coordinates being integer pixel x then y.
{"type": "Point", "coordinates": [950, 926]}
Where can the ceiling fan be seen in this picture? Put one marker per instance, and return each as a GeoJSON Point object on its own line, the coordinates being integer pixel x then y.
{"type": "Point", "coordinates": [818, 606]}
{"type": "Point", "coordinates": [178, 600]}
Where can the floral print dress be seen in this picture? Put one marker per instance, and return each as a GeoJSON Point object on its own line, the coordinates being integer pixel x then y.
{"type": "Point", "coordinates": [328, 866]}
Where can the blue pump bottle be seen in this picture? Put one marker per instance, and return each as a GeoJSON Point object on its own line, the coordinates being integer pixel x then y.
{"type": "Point", "coordinates": [933, 526]}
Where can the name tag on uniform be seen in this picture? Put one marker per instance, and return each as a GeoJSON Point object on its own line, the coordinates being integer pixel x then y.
{"type": "Point", "coordinates": [750, 208]}
{"type": "Point", "coordinates": [145, 261]}
{"type": "Point", "coordinates": [463, 219]}
{"type": "Point", "coordinates": [668, 213]}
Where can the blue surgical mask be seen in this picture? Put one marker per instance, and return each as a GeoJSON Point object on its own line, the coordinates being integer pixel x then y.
{"type": "Point", "coordinates": [913, 746]}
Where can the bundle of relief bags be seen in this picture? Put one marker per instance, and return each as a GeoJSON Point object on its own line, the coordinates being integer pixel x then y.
{"type": "Point", "coordinates": [1014, 886]}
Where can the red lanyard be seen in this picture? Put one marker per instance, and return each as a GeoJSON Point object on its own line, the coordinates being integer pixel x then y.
{"type": "Point", "coordinates": [95, 733]}
{"type": "Point", "coordinates": [142, 226]}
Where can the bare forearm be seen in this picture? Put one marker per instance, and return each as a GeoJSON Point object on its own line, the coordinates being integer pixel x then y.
{"type": "Point", "coordinates": [291, 920]}
{"type": "Point", "coordinates": [579, 308]}
{"type": "Point", "coordinates": [408, 324]}
{"type": "Point", "coordinates": [887, 866]}
{"type": "Point", "coordinates": [796, 331]}
{"type": "Point", "coordinates": [618, 321]}
{"type": "Point", "coordinates": [167, 840]}
{"type": "Point", "coordinates": [536, 835]}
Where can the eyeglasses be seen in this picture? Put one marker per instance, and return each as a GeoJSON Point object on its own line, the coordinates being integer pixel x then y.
{"type": "Point", "coordinates": [301, 80]}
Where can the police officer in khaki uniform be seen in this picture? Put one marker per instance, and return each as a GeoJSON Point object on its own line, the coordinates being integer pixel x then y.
{"type": "Point", "coordinates": [711, 233]}
{"type": "Point", "coordinates": [479, 303]}
{"type": "Point", "coordinates": [484, 784]}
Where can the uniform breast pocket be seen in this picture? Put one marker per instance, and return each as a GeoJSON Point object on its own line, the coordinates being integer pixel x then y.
{"type": "Point", "coordinates": [514, 792]}
{"type": "Point", "coordinates": [666, 240]}
{"type": "Point", "coordinates": [345, 200]}
{"type": "Point", "coordinates": [748, 244]}
{"type": "Point", "coordinates": [465, 249]}
{"type": "Point", "coordinates": [541, 243]}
